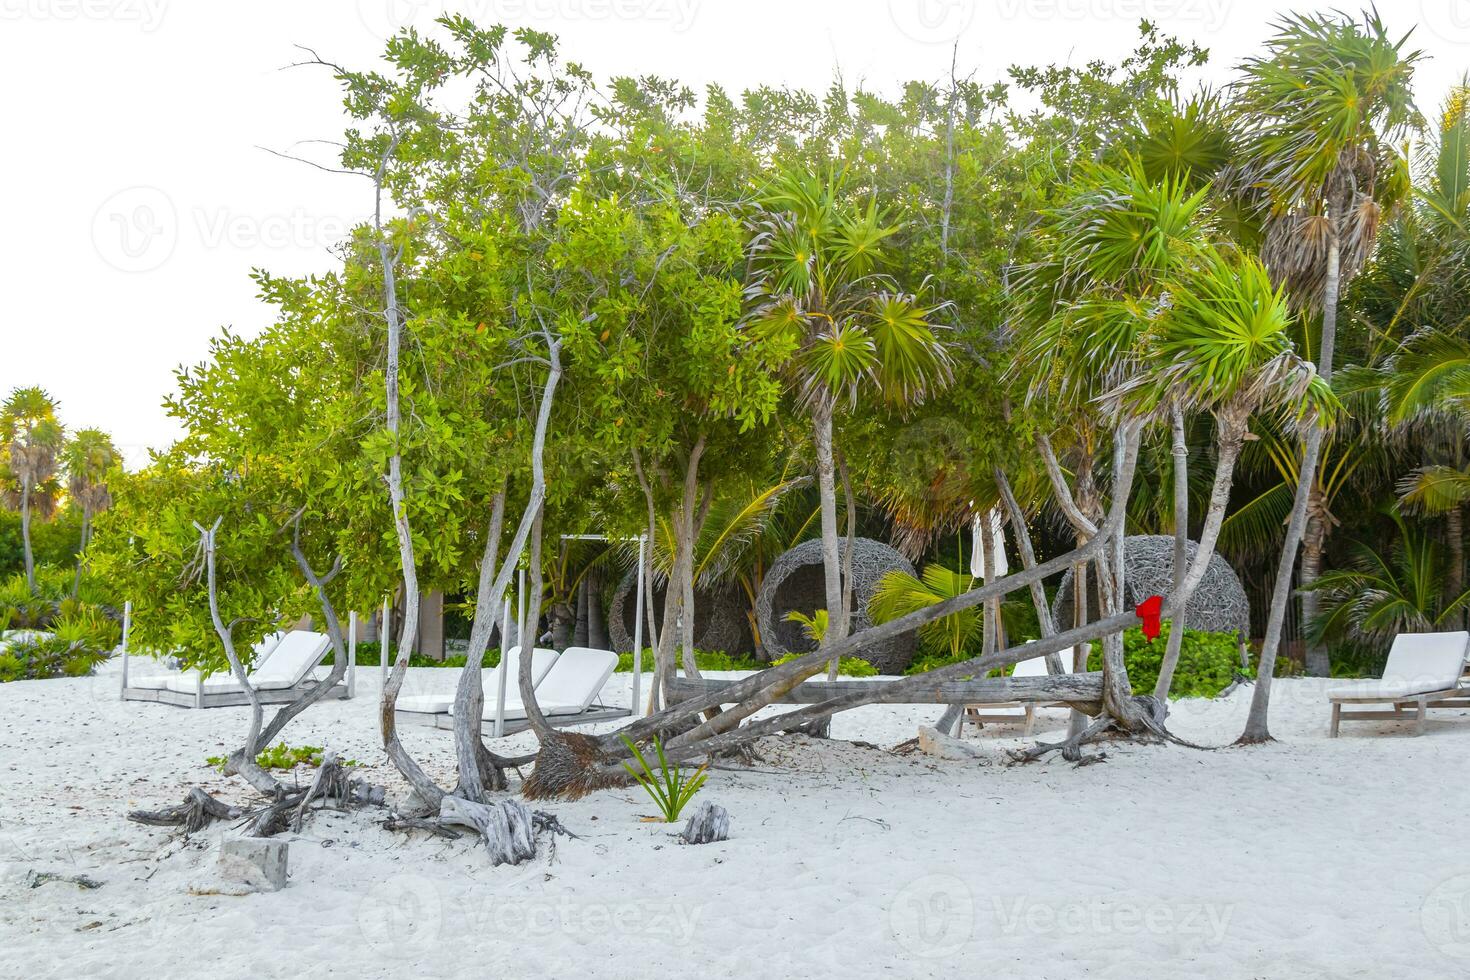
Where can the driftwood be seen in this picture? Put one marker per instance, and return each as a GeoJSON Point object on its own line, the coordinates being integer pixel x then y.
{"type": "Point", "coordinates": [332, 785]}
{"type": "Point", "coordinates": [198, 810]}
{"type": "Point", "coordinates": [711, 822]}
{"type": "Point", "coordinates": [507, 826]}
{"type": "Point", "coordinates": [421, 823]}
{"type": "Point", "coordinates": [35, 879]}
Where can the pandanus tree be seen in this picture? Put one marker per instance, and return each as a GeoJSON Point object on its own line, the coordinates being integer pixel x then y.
{"type": "Point", "coordinates": [89, 458]}
{"type": "Point", "coordinates": [1223, 340]}
{"type": "Point", "coordinates": [846, 330]}
{"type": "Point", "coordinates": [1083, 309]}
{"type": "Point", "coordinates": [31, 441]}
{"type": "Point", "coordinates": [1319, 114]}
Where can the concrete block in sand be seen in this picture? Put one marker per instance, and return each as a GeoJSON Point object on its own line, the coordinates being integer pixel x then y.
{"type": "Point", "coordinates": [258, 863]}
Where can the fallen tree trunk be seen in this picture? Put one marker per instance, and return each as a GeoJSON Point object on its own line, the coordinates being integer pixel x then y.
{"type": "Point", "coordinates": [1083, 688]}
{"type": "Point", "coordinates": [594, 762]}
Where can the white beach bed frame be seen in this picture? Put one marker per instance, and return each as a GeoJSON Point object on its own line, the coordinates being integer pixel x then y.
{"type": "Point", "coordinates": [1010, 712]}
{"type": "Point", "coordinates": [225, 697]}
{"type": "Point", "coordinates": [1424, 670]}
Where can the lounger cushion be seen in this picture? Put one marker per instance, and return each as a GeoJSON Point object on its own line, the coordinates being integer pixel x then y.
{"type": "Point", "coordinates": [264, 649]}
{"type": "Point", "coordinates": [291, 660]}
{"type": "Point", "coordinates": [1385, 690]}
{"type": "Point", "coordinates": [158, 682]}
{"type": "Point", "coordinates": [1418, 663]}
{"type": "Point", "coordinates": [186, 681]}
{"type": "Point", "coordinates": [572, 683]}
{"type": "Point", "coordinates": [443, 702]}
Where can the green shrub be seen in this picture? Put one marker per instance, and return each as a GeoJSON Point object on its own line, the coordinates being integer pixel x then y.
{"type": "Point", "coordinates": [282, 756]}
{"type": "Point", "coordinates": [49, 655]}
{"type": "Point", "coordinates": [703, 659]}
{"type": "Point", "coordinates": [670, 787]}
{"type": "Point", "coordinates": [847, 666]}
{"type": "Point", "coordinates": [1208, 662]}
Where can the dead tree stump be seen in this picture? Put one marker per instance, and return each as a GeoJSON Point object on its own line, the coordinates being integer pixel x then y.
{"type": "Point", "coordinates": [507, 826]}
{"type": "Point", "coordinates": [711, 822]}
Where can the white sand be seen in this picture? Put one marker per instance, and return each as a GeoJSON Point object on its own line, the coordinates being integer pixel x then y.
{"type": "Point", "coordinates": [1307, 858]}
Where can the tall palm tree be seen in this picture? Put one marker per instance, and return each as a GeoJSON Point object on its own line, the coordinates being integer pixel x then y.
{"type": "Point", "coordinates": [1319, 113]}
{"type": "Point", "coordinates": [1224, 340]}
{"type": "Point", "coordinates": [1418, 284]}
{"type": "Point", "coordinates": [31, 439]}
{"type": "Point", "coordinates": [89, 458]}
{"type": "Point", "coordinates": [1086, 306]}
{"type": "Point", "coordinates": [817, 288]}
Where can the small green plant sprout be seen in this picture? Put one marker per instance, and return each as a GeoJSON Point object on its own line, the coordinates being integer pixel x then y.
{"type": "Point", "coordinates": [814, 626]}
{"type": "Point", "coordinates": [282, 756]}
{"type": "Point", "coordinates": [671, 787]}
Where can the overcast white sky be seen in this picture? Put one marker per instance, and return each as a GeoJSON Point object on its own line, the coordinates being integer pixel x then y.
{"type": "Point", "coordinates": [137, 201]}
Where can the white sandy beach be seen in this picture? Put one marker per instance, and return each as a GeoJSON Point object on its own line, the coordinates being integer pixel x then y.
{"type": "Point", "coordinates": [1307, 858]}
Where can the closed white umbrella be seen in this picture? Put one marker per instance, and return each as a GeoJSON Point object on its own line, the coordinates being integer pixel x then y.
{"type": "Point", "coordinates": [998, 545]}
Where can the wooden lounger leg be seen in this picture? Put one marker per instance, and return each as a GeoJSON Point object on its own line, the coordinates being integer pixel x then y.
{"type": "Point", "coordinates": [1336, 720]}
{"type": "Point", "coordinates": [1419, 715]}
{"type": "Point", "coordinates": [1030, 718]}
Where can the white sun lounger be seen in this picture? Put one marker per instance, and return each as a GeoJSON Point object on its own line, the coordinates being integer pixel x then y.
{"type": "Point", "coordinates": [567, 695]}
{"type": "Point", "coordinates": [162, 682]}
{"type": "Point", "coordinates": [1013, 711]}
{"type": "Point", "coordinates": [289, 667]}
{"type": "Point", "coordinates": [1424, 670]}
{"type": "Point", "coordinates": [542, 659]}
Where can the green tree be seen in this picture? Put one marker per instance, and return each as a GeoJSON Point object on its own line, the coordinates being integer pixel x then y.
{"type": "Point", "coordinates": [1319, 113]}
{"type": "Point", "coordinates": [89, 459]}
{"type": "Point", "coordinates": [842, 326]}
{"type": "Point", "coordinates": [32, 439]}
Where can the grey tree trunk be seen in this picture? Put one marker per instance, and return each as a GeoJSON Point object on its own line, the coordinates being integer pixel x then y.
{"type": "Point", "coordinates": [596, 623]}
{"type": "Point", "coordinates": [579, 629]}
{"type": "Point", "coordinates": [1454, 529]}
{"type": "Point", "coordinates": [242, 760]}
{"type": "Point", "coordinates": [847, 590]}
{"type": "Point", "coordinates": [469, 696]}
{"type": "Point", "coordinates": [1180, 453]}
{"type": "Point", "coordinates": [692, 509]}
{"type": "Point", "coordinates": [1256, 726]}
{"type": "Point", "coordinates": [25, 534]}
{"type": "Point", "coordinates": [387, 720]}
{"type": "Point", "coordinates": [76, 584]}
{"type": "Point", "coordinates": [1319, 664]}
{"type": "Point", "coordinates": [651, 624]}
{"type": "Point", "coordinates": [831, 557]}
{"type": "Point", "coordinates": [563, 620]}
